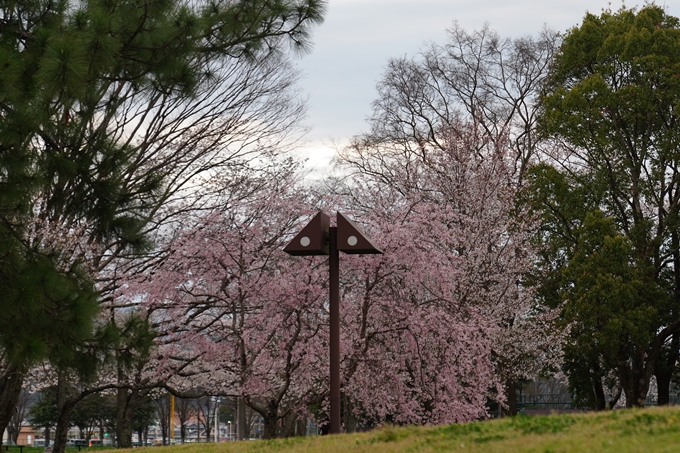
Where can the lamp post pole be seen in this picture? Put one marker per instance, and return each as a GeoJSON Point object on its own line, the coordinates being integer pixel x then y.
{"type": "Point", "coordinates": [334, 308]}
{"type": "Point", "coordinates": [319, 238]}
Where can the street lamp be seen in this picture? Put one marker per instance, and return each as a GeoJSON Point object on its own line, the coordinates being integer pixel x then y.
{"type": "Point", "coordinates": [319, 238]}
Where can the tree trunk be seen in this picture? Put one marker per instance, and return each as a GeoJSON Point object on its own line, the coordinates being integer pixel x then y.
{"type": "Point", "coordinates": [208, 422]}
{"type": "Point", "coordinates": [663, 382]}
{"type": "Point", "coordinates": [270, 423]}
{"type": "Point", "coordinates": [61, 433]}
{"type": "Point", "coordinates": [348, 415]}
{"type": "Point", "coordinates": [65, 407]}
{"type": "Point", "coordinates": [48, 435]}
{"type": "Point", "coordinates": [164, 433]}
{"type": "Point", "coordinates": [127, 402]}
{"type": "Point", "coordinates": [598, 393]}
{"type": "Point", "coordinates": [163, 416]}
{"type": "Point", "coordinates": [511, 395]}
{"type": "Point", "coordinates": [269, 410]}
{"type": "Point", "coordinates": [635, 397]}
{"type": "Point", "coordinates": [11, 433]}
{"type": "Point", "coordinates": [10, 390]}
{"type": "Point", "coordinates": [301, 427]}
{"type": "Point", "coordinates": [241, 421]}
{"type": "Point", "coordinates": [634, 380]}
{"type": "Point", "coordinates": [287, 425]}
{"type": "Point", "coordinates": [663, 370]}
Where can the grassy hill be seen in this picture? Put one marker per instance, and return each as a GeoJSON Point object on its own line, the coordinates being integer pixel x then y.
{"type": "Point", "coordinates": [641, 430]}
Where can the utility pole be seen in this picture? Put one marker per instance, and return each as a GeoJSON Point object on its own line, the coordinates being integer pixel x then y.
{"type": "Point", "coordinates": [217, 426]}
{"type": "Point", "coordinates": [172, 420]}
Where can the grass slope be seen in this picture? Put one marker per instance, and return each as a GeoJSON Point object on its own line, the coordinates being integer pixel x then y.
{"type": "Point", "coordinates": [640, 430]}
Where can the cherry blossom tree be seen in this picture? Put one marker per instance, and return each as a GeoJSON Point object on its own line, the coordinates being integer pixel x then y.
{"type": "Point", "coordinates": [431, 330]}
{"type": "Point", "coordinates": [446, 304]}
{"type": "Point", "coordinates": [235, 315]}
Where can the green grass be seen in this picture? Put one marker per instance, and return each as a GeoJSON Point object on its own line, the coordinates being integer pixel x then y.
{"type": "Point", "coordinates": [640, 430]}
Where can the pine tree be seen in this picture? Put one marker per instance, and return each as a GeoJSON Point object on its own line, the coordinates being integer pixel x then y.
{"type": "Point", "coordinates": [71, 77]}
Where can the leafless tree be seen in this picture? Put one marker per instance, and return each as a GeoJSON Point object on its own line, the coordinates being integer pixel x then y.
{"type": "Point", "coordinates": [245, 111]}
{"type": "Point", "coordinates": [162, 404]}
{"type": "Point", "coordinates": [206, 411]}
{"type": "Point", "coordinates": [478, 81]}
{"type": "Point", "coordinates": [185, 409]}
{"type": "Point", "coordinates": [479, 77]}
{"type": "Point", "coordinates": [21, 411]}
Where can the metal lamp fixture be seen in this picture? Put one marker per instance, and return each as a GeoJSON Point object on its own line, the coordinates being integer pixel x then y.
{"type": "Point", "coordinates": [319, 238]}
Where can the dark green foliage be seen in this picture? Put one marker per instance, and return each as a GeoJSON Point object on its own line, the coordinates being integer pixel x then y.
{"type": "Point", "coordinates": [609, 290]}
{"type": "Point", "coordinates": [610, 204]}
{"type": "Point", "coordinates": [144, 416]}
{"type": "Point", "coordinates": [95, 411]}
{"type": "Point", "coordinates": [615, 87]}
{"type": "Point", "coordinates": [42, 307]}
{"type": "Point", "coordinates": [44, 412]}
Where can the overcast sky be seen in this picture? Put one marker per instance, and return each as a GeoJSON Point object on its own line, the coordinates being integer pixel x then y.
{"type": "Point", "coordinates": [352, 47]}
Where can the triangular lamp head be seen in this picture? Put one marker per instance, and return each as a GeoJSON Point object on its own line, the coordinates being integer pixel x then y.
{"type": "Point", "coordinates": [313, 239]}
{"type": "Point", "coordinates": [352, 240]}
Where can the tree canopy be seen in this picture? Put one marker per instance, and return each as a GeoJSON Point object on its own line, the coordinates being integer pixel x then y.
{"type": "Point", "coordinates": [609, 193]}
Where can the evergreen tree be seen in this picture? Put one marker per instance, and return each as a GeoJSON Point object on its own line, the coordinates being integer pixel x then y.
{"type": "Point", "coordinates": [144, 417]}
{"type": "Point", "coordinates": [43, 414]}
{"type": "Point", "coordinates": [93, 414]}
{"type": "Point", "coordinates": [611, 200]}
{"type": "Point", "coordinates": [72, 75]}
